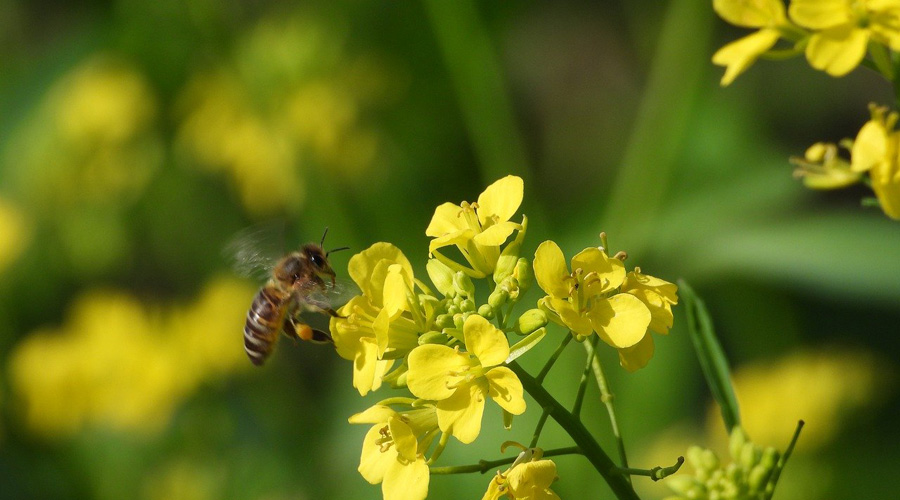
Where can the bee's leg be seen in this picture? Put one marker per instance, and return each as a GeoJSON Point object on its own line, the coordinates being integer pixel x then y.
{"type": "Point", "coordinates": [302, 331]}
{"type": "Point", "coordinates": [323, 307]}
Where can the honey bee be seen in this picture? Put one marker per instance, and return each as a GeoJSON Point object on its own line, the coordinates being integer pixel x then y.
{"type": "Point", "coordinates": [300, 281]}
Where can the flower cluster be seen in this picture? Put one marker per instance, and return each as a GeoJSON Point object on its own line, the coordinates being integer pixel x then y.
{"type": "Point", "coordinates": [446, 342]}
{"type": "Point", "coordinates": [529, 477]}
{"type": "Point", "coordinates": [749, 477]}
{"type": "Point", "coordinates": [835, 35]}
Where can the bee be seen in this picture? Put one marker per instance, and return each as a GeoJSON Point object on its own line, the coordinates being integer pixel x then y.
{"type": "Point", "coordinates": [300, 281]}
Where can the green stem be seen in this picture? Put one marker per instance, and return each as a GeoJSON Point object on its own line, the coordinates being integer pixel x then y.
{"type": "Point", "coordinates": [783, 460]}
{"type": "Point", "coordinates": [585, 375]}
{"type": "Point", "coordinates": [539, 428]}
{"type": "Point", "coordinates": [546, 369]}
{"type": "Point", "coordinates": [485, 465]}
{"type": "Point", "coordinates": [607, 397]}
{"type": "Point", "coordinates": [439, 448]}
{"type": "Point", "coordinates": [617, 481]}
{"type": "Point", "coordinates": [655, 473]}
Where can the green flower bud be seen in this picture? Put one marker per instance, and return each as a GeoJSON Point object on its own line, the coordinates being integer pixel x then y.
{"type": "Point", "coordinates": [497, 298]}
{"type": "Point", "coordinates": [458, 321]}
{"type": "Point", "coordinates": [530, 321]}
{"type": "Point", "coordinates": [523, 274]}
{"type": "Point", "coordinates": [694, 457]}
{"type": "Point", "coordinates": [444, 321]}
{"type": "Point", "coordinates": [486, 311]}
{"type": "Point", "coordinates": [441, 276]}
{"type": "Point", "coordinates": [709, 459]}
{"type": "Point", "coordinates": [467, 305]}
{"type": "Point", "coordinates": [750, 455]}
{"type": "Point", "coordinates": [433, 337]}
{"type": "Point", "coordinates": [685, 486]}
{"type": "Point", "coordinates": [463, 284]}
{"type": "Point", "coordinates": [736, 442]}
{"type": "Point", "coordinates": [453, 309]}
{"type": "Point", "coordinates": [758, 478]}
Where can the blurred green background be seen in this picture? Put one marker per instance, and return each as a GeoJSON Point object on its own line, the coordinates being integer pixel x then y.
{"type": "Point", "coordinates": [137, 137]}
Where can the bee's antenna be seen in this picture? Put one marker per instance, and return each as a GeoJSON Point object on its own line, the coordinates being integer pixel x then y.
{"type": "Point", "coordinates": [335, 250]}
{"type": "Point", "coordinates": [323, 236]}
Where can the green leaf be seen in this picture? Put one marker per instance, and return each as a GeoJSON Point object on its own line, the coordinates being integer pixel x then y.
{"type": "Point", "coordinates": [709, 353]}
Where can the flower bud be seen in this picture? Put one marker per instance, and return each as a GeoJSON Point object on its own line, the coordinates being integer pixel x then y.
{"type": "Point", "coordinates": [441, 276]}
{"type": "Point", "coordinates": [736, 442]}
{"type": "Point", "coordinates": [433, 337]}
{"type": "Point", "coordinates": [709, 460]}
{"type": "Point", "coordinates": [523, 274]}
{"type": "Point", "coordinates": [463, 284]}
{"type": "Point", "coordinates": [750, 455]}
{"type": "Point", "coordinates": [686, 486]}
{"type": "Point", "coordinates": [486, 311]}
{"type": "Point", "coordinates": [497, 298]}
{"type": "Point", "coordinates": [530, 321]}
{"type": "Point", "coordinates": [444, 321]}
{"type": "Point", "coordinates": [458, 321]}
{"type": "Point", "coordinates": [453, 309]}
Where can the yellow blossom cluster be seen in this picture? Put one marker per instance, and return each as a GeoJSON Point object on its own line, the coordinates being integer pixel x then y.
{"type": "Point", "coordinates": [289, 98]}
{"type": "Point", "coordinates": [835, 35]}
{"type": "Point", "coordinates": [449, 347]}
{"type": "Point", "coordinates": [120, 364]}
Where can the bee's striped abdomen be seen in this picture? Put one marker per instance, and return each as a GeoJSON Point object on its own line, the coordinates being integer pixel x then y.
{"type": "Point", "coordinates": [264, 321]}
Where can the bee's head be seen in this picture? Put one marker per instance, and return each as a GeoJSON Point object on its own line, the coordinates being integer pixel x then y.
{"type": "Point", "coordinates": [316, 263]}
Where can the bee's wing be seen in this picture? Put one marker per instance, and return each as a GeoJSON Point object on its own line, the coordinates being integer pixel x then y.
{"type": "Point", "coordinates": [333, 295]}
{"type": "Point", "coordinates": [255, 250]}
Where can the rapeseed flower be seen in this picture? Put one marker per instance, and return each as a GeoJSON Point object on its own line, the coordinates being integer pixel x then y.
{"type": "Point", "coordinates": [477, 229]}
{"type": "Point", "coordinates": [767, 15]}
{"type": "Point", "coordinates": [659, 296]}
{"type": "Point", "coordinates": [587, 299]}
{"type": "Point", "coordinates": [875, 151]}
{"type": "Point", "coordinates": [393, 450]}
{"type": "Point", "coordinates": [822, 168]}
{"type": "Point", "coordinates": [844, 28]}
{"type": "Point", "coordinates": [529, 478]}
{"type": "Point", "coordinates": [461, 381]}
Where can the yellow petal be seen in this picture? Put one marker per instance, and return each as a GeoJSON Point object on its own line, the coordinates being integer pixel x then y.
{"type": "Point", "coordinates": [660, 310]}
{"type": "Point", "coordinates": [751, 13]}
{"type": "Point", "coordinates": [532, 479]}
{"type": "Point", "coordinates": [578, 323]}
{"type": "Point", "coordinates": [373, 463]}
{"type": "Point", "coordinates": [501, 199]}
{"type": "Point", "coordinates": [446, 219]}
{"type": "Point", "coordinates": [821, 14]}
{"type": "Point", "coordinates": [460, 237]}
{"type": "Point", "coordinates": [495, 235]}
{"type": "Point", "coordinates": [460, 414]}
{"type": "Point", "coordinates": [441, 276]}
{"type": "Point", "coordinates": [485, 341]}
{"type": "Point", "coordinates": [431, 371]}
{"type": "Point", "coordinates": [406, 481]}
{"type": "Point", "coordinates": [637, 356]}
{"type": "Point", "coordinates": [369, 268]}
{"type": "Point", "coordinates": [837, 51]}
{"type": "Point", "coordinates": [621, 320]}
{"type": "Point", "coordinates": [550, 269]}
{"type": "Point", "coordinates": [608, 273]}
{"type": "Point", "coordinates": [375, 414]}
{"type": "Point", "coordinates": [886, 184]}
{"type": "Point", "coordinates": [506, 389]}
{"type": "Point", "coordinates": [869, 147]}
{"type": "Point", "coordinates": [367, 368]}
{"type": "Point", "coordinates": [404, 440]}
{"type": "Point", "coordinates": [395, 291]}
{"type": "Point", "coordinates": [739, 55]}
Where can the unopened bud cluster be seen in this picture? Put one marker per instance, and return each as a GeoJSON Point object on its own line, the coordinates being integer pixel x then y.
{"type": "Point", "coordinates": [747, 477]}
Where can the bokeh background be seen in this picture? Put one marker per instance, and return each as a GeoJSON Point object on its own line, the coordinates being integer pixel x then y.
{"type": "Point", "coordinates": [136, 138]}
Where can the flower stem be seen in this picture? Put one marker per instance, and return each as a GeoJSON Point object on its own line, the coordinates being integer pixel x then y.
{"type": "Point", "coordinates": [607, 397]}
{"type": "Point", "coordinates": [572, 425]}
{"type": "Point", "coordinates": [485, 465]}
{"type": "Point", "coordinates": [539, 428]}
{"type": "Point", "coordinates": [591, 347]}
{"type": "Point", "coordinates": [783, 460]}
{"type": "Point", "coordinates": [655, 473]}
{"type": "Point", "coordinates": [546, 369]}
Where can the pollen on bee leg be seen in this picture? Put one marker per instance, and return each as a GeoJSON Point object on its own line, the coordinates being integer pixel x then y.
{"type": "Point", "coordinates": [304, 332]}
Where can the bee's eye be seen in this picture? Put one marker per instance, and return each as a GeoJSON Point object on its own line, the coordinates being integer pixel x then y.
{"type": "Point", "coordinates": [317, 260]}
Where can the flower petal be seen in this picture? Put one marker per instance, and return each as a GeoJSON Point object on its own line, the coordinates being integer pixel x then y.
{"type": "Point", "coordinates": [495, 235]}
{"type": "Point", "coordinates": [368, 370]}
{"type": "Point", "coordinates": [637, 356]}
{"type": "Point", "coordinates": [441, 276]}
{"type": "Point", "coordinates": [506, 389]}
{"type": "Point", "coordinates": [376, 414]}
{"type": "Point", "coordinates": [501, 199]}
{"type": "Point", "coordinates": [837, 51]}
{"type": "Point", "coordinates": [404, 440]}
{"type": "Point", "coordinates": [752, 13]}
{"type": "Point", "coordinates": [485, 341]}
{"type": "Point", "coordinates": [446, 219]}
{"type": "Point", "coordinates": [821, 14]}
{"type": "Point", "coordinates": [373, 463]}
{"type": "Point", "coordinates": [460, 238]}
{"type": "Point", "coordinates": [550, 269]}
{"type": "Point", "coordinates": [432, 371]}
{"type": "Point", "coordinates": [739, 55]}
{"type": "Point", "coordinates": [621, 320]}
{"type": "Point", "coordinates": [526, 478]}
{"type": "Point", "coordinates": [578, 323]}
{"type": "Point", "coordinates": [869, 147]}
{"type": "Point", "coordinates": [608, 273]}
{"type": "Point", "coordinates": [406, 481]}
{"type": "Point", "coordinates": [369, 268]}
{"type": "Point", "coordinates": [460, 414]}
{"type": "Point", "coordinates": [395, 289]}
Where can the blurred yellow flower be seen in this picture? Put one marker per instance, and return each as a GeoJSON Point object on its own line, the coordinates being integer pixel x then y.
{"type": "Point", "coordinates": [844, 28]}
{"type": "Point", "coordinates": [119, 364]}
{"type": "Point", "coordinates": [289, 98]}
{"type": "Point", "coordinates": [875, 151]}
{"type": "Point", "coordinates": [822, 168]}
{"type": "Point", "coordinates": [820, 387]}
{"type": "Point", "coordinates": [14, 233]}
{"type": "Point", "coordinates": [767, 15]}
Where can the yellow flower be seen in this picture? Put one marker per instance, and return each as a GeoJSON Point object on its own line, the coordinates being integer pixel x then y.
{"type": "Point", "coordinates": [477, 229]}
{"type": "Point", "coordinates": [527, 479]}
{"type": "Point", "coordinates": [586, 299]}
{"type": "Point", "coordinates": [393, 450]}
{"type": "Point", "coordinates": [461, 381]}
{"type": "Point", "coordinates": [844, 29]}
{"type": "Point", "coordinates": [373, 323]}
{"type": "Point", "coordinates": [822, 168]}
{"type": "Point", "coordinates": [768, 15]}
{"type": "Point", "coordinates": [659, 296]}
{"type": "Point", "coordinates": [875, 151]}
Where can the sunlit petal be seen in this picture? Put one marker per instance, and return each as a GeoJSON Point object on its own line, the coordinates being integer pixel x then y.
{"type": "Point", "coordinates": [621, 320]}
{"type": "Point", "coordinates": [435, 371]}
{"type": "Point", "coordinates": [460, 414]}
{"type": "Point", "coordinates": [485, 341]}
{"type": "Point", "coordinates": [506, 389]}
{"type": "Point", "coordinates": [550, 269]}
{"type": "Point", "coordinates": [501, 199]}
